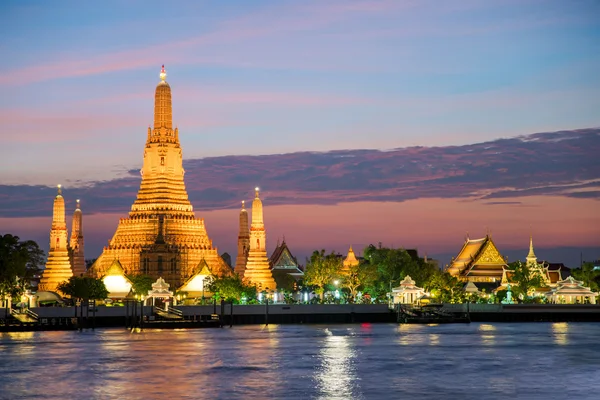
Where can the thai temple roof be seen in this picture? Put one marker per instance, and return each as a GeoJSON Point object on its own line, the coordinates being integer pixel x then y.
{"type": "Point", "coordinates": [115, 269]}
{"type": "Point", "coordinates": [282, 258]}
{"type": "Point", "coordinates": [478, 257]}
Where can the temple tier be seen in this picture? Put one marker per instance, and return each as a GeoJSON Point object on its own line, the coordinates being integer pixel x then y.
{"type": "Point", "coordinates": [162, 236]}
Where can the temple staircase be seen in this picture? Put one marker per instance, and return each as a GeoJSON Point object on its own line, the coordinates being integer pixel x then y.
{"type": "Point", "coordinates": [25, 317]}
{"type": "Point", "coordinates": [172, 314]}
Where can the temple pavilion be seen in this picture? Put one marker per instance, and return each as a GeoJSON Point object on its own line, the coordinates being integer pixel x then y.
{"type": "Point", "coordinates": [478, 261]}
{"type": "Point", "coordinates": [161, 237]}
{"type": "Point", "coordinates": [570, 291]}
{"type": "Point", "coordinates": [408, 292]}
{"type": "Point", "coordinates": [284, 264]}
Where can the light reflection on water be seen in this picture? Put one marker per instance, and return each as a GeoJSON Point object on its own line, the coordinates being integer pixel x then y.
{"type": "Point", "coordinates": [370, 361]}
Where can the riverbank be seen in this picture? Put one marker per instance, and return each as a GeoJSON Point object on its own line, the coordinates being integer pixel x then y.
{"type": "Point", "coordinates": [66, 318]}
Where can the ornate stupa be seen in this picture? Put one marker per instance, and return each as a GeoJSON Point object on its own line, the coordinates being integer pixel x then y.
{"type": "Point", "coordinates": [243, 242]}
{"type": "Point", "coordinates": [349, 261]}
{"type": "Point", "coordinates": [258, 270]}
{"type": "Point", "coordinates": [76, 243]}
{"type": "Point", "coordinates": [58, 266]}
{"type": "Point", "coordinates": [162, 236]}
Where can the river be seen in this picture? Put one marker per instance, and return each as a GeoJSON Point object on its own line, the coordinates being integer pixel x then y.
{"type": "Point", "coordinates": [362, 361]}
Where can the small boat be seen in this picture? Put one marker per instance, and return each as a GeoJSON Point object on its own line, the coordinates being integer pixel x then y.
{"type": "Point", "coordinates": [430, 315]}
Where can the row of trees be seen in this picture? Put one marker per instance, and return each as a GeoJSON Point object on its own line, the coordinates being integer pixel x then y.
{"type": "Point", "coordinates": [20, 261]}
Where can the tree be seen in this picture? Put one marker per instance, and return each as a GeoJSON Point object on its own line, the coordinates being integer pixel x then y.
{"type": "Point", "coordinates": [359, 276]}
{"type": "Point", "coordinates": [588, 275]}
{"type": "Point", "coordinates": [230, 288]}
{"type": "Point", "coordinates": [141, 284]}
{"type": "Point", "coordinates": [19, 262]}
{"type": "Point", "coordinates": [321, 270]}
{"type": "Point", "coordinates": [525, 278]}
{"type": "Point", "coordinates": [84, 287]}
{"type": "Point", "coordinates": [445, 288]}
{"type": "Point", "coordinates": [89, 262]}
{"type": "Point", "coordinates": [392, 266]}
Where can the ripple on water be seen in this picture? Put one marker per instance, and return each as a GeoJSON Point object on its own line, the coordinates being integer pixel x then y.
{"type": "Point", "coordinates": [370, 361]}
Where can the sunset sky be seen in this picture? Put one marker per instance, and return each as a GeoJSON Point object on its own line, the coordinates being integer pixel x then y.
{"type": "Point", "coordinates": [258, 78]}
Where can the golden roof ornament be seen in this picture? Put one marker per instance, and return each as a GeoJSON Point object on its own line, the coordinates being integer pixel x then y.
{"type": "Point", "coordinates": [163, 74]}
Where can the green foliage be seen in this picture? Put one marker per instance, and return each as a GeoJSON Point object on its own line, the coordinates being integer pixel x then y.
{"type": "Point", "coordinates": [589, 276]}
{"type": "Point", "coordinates": [446, 288]}
{"type": "Point", "coordinates": [84, 287]}
{"type": "Point", "coordinates": [358, 277]}
{"type": "Point", "coordinates": [19, 262]}
{"type": "Point", "coordinates": [393, 265]}
{"type": "Point", "coordinates": [230, 288]}
{"type": "Point", "coordinates": [284, 280]}
{"type": "Point", "coordinates": [141, 284]}
{"type": "Point", "coordinates": [322, 270]}
{"type": "Point", "coordinates": [524, 279]}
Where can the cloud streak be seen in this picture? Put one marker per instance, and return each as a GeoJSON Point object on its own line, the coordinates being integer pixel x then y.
{"type": "Point", "coordinates": [557, 163]}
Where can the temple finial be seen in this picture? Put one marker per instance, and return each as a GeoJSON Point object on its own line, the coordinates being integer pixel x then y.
{"type": "Point", "coordinates": [256, 190]}
{"type": "Point", "coordinates": [59, 186]}
{"type": "Point", "coordinates": [163, 73]}
{"type": "Point", "coordinates": [243, 204]}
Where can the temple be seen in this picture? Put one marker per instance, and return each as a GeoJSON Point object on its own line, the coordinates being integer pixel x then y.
{"type": "Point", "coordinates": [161, 237]}
{"type": "Point", "coordinates": [243, 242]}
{"type": "Point", "coordinates": [76, 242]}
{"type": "Point", "coordinates": [478, 261]}
{"type": "Point", "coordinates": [258, 271]}
{"type": "Point", "coordinates": [349, 261]}
{"type": "Point", "coordinates": [284, 265]}
{"type": "Point", "coordinates": [58, 266]}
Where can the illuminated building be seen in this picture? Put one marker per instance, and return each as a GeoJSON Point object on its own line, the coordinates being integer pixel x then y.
{"type": "Point", "coordinates": [76, 243]}
{"type": "Point", "coordinates": [161, 237]}
{"type": "Point", "coordinates": [407, 292]}
{"type": "Point", "coordinates": [349, 261]}
{"type": "Point", "coordinates": [570, 291]}
{"type": "Point", "coordinates": [117, 284]}
{"type": "Point", "coordinates": [478, 261]}
{"type": "Point", "coordinates": [243, 242]}
{"type": "Point", "coordinates": [58, 266]}
{"type": "Point", "coordinates": [284, 263]}
{"type": "Point", "coordinates": [258, 271]}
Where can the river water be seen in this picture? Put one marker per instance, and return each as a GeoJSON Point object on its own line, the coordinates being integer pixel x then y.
{"type": "Point", "coordinates": [368, 361]}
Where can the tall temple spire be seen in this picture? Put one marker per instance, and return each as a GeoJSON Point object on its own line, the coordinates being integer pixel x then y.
{"type": "Point", "coordinates": [531, 257]}
{"type": "Point", "coordinates": [161, 237]}
{"type": "Point", "coordinates": [257, 268]}
{"type": "Point", "coordinates": [163, 115]}
{"type": "Point", "coordinates": [243, 242]}
{"type": "Point", "coordinates": [58, 266]}
{"type": "Point", "coordinates": [76, 243]}
{"type": "Point", "coordinates": [162, 187]}
{"type": "Point", "coordinates": [257, 211]}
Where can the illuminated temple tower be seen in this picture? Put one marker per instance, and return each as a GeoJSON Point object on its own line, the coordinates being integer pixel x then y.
{"type": "Point", "coordinates": [58, 266]}
{"type": "Point", "coordinates": [258, 270]}
{"type": "Point", "coordinates": [243, 242]}
{"type": "Point", "coordinates": [162, 236]}
{"type": "Point", "coordinates": [76, 243]}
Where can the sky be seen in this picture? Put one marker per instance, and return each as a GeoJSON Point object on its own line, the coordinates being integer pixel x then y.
{"type": "Point", "coordinates": [268, 78]}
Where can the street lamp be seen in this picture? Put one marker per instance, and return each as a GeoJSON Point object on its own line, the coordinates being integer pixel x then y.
{"type": "Point", "coordinates": [337, 292]}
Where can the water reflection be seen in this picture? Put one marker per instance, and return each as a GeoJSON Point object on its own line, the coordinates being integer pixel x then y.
{"type": "Point", "coordinates": [487, 332]}
{"type": "Point", "coordinates": [337, 376]}
{"type": "Point", "coordinates": [411, 334]}
{"type": "Point", "coordinates": [560, 331]}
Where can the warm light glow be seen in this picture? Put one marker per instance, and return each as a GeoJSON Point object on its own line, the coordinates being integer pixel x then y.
{"type": "Point", "coordinates": [117, 285]}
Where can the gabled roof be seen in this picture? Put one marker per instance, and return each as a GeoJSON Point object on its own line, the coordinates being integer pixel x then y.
{"type": "Point", "coordinates": [115, 269]}
{"type": "Point", "coordinates": [282, 258]}
{"type": "Point", "coordinates": [478, 256]}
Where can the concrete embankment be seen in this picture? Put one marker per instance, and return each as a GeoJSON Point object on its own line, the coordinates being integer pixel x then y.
{"type": "Point", "coordinates": [528, 312]}
{"type": "Point", "coordinates": [57, 318]}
